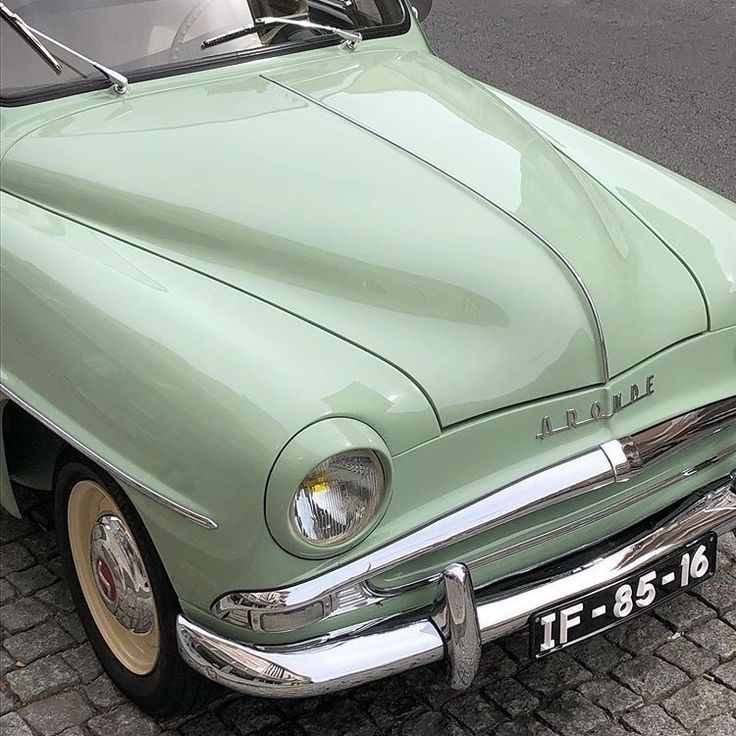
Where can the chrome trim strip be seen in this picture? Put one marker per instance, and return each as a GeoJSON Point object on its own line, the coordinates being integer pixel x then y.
{"type": "Point", "coordinates": [620, 505]}
{"type": "Point", "coordinates": [613, 462]}
{"type": "Point", "coordinates": [326, 665]}
{"type": "Point", "coordinates": [597, 321]}
{"type": "Point", "coordinates": [118, 474]}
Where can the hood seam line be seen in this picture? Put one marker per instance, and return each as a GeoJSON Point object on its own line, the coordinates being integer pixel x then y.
{"type": "Point", "coordinates": [551, 248]}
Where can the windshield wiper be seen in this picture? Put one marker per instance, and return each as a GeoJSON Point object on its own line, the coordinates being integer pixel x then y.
{"type": "Point", "coordinates": [18, 25]}
{"type": "Point", "coordinates": [351, 38]}
{"type": "Point", "coordinates": [31, 36]}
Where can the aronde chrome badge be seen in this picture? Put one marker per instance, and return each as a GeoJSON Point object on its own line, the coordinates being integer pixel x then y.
{"type": "Point", "coordinates": [598, 412]}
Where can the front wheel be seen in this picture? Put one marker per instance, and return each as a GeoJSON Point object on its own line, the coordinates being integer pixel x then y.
{"type": "Point", "coordinates": [122, 593]}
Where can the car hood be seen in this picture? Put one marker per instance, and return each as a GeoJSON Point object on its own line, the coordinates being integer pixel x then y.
{"type": "Point", "coordinates": [390, 200]}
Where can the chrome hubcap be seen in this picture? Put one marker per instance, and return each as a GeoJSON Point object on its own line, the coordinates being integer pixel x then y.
{"type": "Point", "coordinates": [120, 575]}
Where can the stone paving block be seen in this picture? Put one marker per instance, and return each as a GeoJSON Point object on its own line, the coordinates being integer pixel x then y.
{"type": "Point", "coordinates": [57, 597]}
{"type": "Point", "coordinates": [512, 697]}
{"type": "Point", "coordinates": [428, 724]}
{"type": "Point", "coordinates": [524, 727]}
{"type": "Point", "coordinates": [33, 579]}
{"type": "Point", "coordinates": [103, 694]}
{"type": "Point", "coordinates": [12, 724]}
{"type": "Point", "coordinates": [22, 614]}
{"type": "Point", "coordinates": [127, 720]}
{"type": "Point", "coordinates": [598, 654]}
{"type": "Point", "coordinates": [430, 684]}
{"type": "Point", "coordinates": [517, 645]}
{"type": "Point", "coordinates": [55, 566]}
{"type": "Point", "coordinates": [688, 656]}
{"type": "Point", "coordinates": [684, 612]}
{"type": "Point", "coordinates": [7, 663]}
{"type": "Point", "coordinates": [571, 714]}
{"type": "Point", "coordinates": [719, 592]}
{"type": "Point", "coordinates": [12, 528]}
{"type": "Point", "coordinates": [724, 725]}
{"type": "Point", "coordinates": [205, 725]}
{"type": "Point", "coordinates": [700, 700]}
{"type": "Point", "coordinates": [727, 549]}
{"type": "Point", "coordinates": [246, 715]}
{"type": "Point", "coordinates": [474, 712]}
{"type": "Point", "coordinates": [610, 695]}
{"type": "Point", "coordinates": [553, 674]}
{"type": "Point", "coordinates": [726, 674]}
{"type": "Point", "coordinates": [72, 624]}
{"type": "Point", "coordinates": [41, 678]}
{"type": "Point", "coordinates": [641, 635]}
{"type": "Point", "coordinates": [650, 677]}
{"type": "Point", "coordinates": [495, 664]}
{"type": "Point", "coordinates": [388, 702]}
{"type": "Point", "coordinates": [610, 730]}
{"type": "Point", "coordinates": [8, 701]}
{"type": "Point", "coordinates": [42, 544]}
{"type": "Point", "coordinates": [342, 717]}
{"type": "Point", "coordinates": [717, 637]}
{"type": "Point", "coordinates": [84, 660]}
{"type": "Point", "coordinates": [8, 591]}
{"type": "Point", "coordinates": [652, 720]}
{"type": "Point", "coordinates": [14, 557]}
{"type": "Point", "coordinates": [42, 641]}
{"type": "Point", "coordinates": [53, 715]}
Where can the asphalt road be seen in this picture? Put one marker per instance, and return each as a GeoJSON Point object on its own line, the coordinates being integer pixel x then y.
{"type": "Point", "coordinates": [656, 76]}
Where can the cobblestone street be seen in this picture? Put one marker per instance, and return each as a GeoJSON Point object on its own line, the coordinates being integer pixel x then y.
{"type": "Point", "coordinates": [668, 674]}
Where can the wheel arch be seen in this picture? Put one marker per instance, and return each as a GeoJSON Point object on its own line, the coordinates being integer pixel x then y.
{"type": "Point", "coordinates": [29, 452]}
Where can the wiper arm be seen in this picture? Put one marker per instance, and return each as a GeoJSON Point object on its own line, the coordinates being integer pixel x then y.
{"type": "Point", "coordinates": [19, 26]}
{"type": "Point", "coordinates": [31, 36]}
{"type": "Point", "coordinates": [351, 38]}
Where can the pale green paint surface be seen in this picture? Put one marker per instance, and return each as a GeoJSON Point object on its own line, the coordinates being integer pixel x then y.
{"type": "Point", "coordinates": [457, 125]}
{"type": "Point", "coordinates": [282, 203]}
{"type": "Point", "coordinates": [194, 386]}
{"type": "Point", "coordinates": [697, 224]}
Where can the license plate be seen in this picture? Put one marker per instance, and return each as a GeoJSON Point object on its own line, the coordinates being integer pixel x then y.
{"type": "Point", "coordinates": [590, 614]}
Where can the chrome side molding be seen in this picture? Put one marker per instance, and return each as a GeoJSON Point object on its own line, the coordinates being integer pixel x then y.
{"type": "Point", "coordinates": [320, 666]}
{"type": "Point", "coordinates": [616, 461]}
{"type": "Point", "coordinates": [121, 476]}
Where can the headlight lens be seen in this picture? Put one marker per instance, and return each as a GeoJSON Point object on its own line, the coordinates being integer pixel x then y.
{"type": "Point", "coordinates": [339, 498]}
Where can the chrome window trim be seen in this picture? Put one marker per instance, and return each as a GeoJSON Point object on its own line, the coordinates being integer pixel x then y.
{"type": "Point", "coordinates": [616, 461]}
{"type": "Point", "coordinates": [120, 475]}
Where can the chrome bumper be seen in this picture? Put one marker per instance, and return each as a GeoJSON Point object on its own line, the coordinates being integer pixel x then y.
{"type": "Point", "coordinates": [456, 629]}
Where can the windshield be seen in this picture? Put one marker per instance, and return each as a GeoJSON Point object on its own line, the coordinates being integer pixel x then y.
{"type": "Point", "coordinates": [148, 38]}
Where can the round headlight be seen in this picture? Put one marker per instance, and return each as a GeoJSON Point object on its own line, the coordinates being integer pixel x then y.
{"type": "Point", "coordinates": [338, 498]}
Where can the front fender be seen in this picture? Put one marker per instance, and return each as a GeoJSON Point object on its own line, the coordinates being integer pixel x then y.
{"type": "Point", "coordinates": [187, 386]}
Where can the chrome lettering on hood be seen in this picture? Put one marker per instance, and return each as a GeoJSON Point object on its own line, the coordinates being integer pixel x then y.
{"type": "Point", "coordinates": [597, 411]}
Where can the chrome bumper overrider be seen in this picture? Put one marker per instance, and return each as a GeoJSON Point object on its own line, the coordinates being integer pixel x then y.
{"type": "Point", "coordinates": [455, 629]}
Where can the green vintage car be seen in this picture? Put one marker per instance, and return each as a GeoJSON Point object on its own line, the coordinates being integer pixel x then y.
{"type": "Point", "coordinates": [337, 361]}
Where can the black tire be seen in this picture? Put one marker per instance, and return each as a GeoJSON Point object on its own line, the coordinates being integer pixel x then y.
{"type": "Point", "coordinates": [171, 688]}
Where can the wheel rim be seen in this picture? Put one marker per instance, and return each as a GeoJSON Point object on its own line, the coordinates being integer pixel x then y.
{"type": "Point", "coordinates": [113, 578]}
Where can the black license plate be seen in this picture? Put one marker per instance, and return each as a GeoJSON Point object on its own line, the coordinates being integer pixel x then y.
{"type": "Point", "coordinates": [588, 615]}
